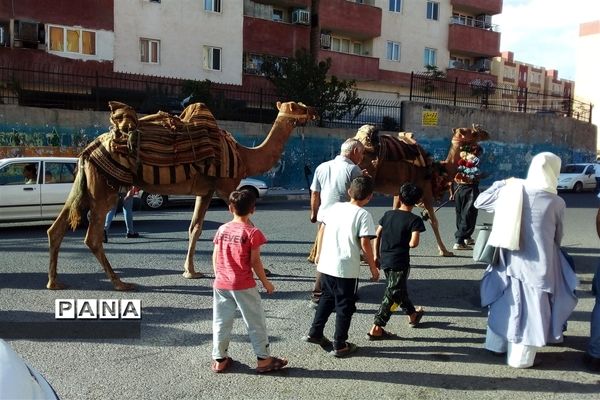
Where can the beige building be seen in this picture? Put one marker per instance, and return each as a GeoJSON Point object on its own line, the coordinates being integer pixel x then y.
{"type": "Point", "coordinates": [530, 86]}
{"type": "Point", "coordinates": [586, 72]}
{"type": "Point", "coordinates": [186, 39]}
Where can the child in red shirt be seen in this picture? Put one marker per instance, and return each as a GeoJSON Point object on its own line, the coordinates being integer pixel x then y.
{"type": "Point", "coordinates": [235, 256]}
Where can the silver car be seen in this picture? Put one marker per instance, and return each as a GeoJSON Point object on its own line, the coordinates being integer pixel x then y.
{"type": "Point", "coordinates": [34, 188]}
{"type": "Point", "coordinates": [155, 201]}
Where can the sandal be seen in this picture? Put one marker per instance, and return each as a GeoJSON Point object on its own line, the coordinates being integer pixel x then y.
{"type": "Point", "coordinates": [275, 365]}
{"type": "Point", "coordinates": [385, 335]}
{"type": "Point", "coordinates": [346, 351]}
{"type": "Point", "coordinates": [418, 315]}
{"type": "Point", "coordinates": [220, 366]}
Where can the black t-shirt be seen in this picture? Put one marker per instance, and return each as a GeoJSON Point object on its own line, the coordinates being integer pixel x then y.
{"type": "Point", "coordinates": [398, 226]}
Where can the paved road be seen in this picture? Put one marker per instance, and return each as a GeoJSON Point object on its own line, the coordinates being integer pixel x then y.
{"type": "Point", "coordinates": [443, 359]}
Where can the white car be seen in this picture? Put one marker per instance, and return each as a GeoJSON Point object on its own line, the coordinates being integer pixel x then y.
{"type": "Point", "coordinates": [34, 188]}
{"type": "Point", "coordinates": [155, 201]}
{"type": "Point", "coordinates": [577, 177]}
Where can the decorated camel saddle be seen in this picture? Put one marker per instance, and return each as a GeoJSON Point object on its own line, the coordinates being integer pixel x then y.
{"type": "Point", "coordinates": [403, 147]}
{"type": "Point", "coordinates": [163, 148]}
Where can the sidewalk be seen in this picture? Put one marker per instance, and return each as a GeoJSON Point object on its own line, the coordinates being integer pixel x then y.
{"type": "Point", "coordinates": [280, 193]}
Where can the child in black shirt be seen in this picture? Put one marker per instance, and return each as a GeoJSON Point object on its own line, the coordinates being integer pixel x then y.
{"type": "Point", "coordinates": [397, 232]}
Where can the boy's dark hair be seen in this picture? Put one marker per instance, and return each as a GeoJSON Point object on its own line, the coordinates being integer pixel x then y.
{"type": "Point", "coordinates": [361, 188]}
{"type": "Point", "coordinates": [410, 194]}
{"type": "Point", "coordinates": [242, 201]}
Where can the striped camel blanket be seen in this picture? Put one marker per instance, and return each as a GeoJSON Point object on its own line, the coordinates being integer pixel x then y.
{"type": "Point", "coordinates": [163, 148]}
{"type": "Point", "coordinates": [393, 148]}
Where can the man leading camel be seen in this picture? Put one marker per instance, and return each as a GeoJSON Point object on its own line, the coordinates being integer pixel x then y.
{"type": "Point", "coordinates": [330, 185]}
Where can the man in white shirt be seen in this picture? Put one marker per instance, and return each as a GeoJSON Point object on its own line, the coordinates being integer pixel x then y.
{"type": "Point", "coordinates": [329, 186]}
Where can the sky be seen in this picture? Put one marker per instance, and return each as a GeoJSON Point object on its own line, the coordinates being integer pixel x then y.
{"type": "Point", "coordinates": [545, 32]}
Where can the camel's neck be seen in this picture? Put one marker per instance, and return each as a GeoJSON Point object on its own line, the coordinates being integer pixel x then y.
{"type": "Point", "coordinates": [258, 160]}
{"type": "Point", "coordinates": [454, 152]}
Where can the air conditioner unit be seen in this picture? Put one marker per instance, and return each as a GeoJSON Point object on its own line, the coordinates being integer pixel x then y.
{"type": "Point", "coordinates": [301, 17]}
{"type": "Point", "coordinates": [26, 32]}
{"type": "Point", "coordinates": [325, 41]}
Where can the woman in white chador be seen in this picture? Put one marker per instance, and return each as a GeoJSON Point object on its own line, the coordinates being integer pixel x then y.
{"type": "Point", "coordinates": [531, 292]}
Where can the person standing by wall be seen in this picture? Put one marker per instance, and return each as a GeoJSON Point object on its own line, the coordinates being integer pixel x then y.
{"type": "Point", "coordinates": [330, 185]}
{"type": "Point", "coordinates": [465, 191]}
{"type": "Point", "coordinates": [127, 215]}
{"type": "Point", "coordinates": [530, 293]}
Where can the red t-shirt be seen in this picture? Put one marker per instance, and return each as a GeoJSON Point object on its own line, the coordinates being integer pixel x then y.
{"type": "Point", "coordinates": [233, 242]}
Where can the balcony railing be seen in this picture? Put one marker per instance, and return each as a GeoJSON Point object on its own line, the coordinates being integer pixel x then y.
{"type": "Point", "coordinates": [474, 23]}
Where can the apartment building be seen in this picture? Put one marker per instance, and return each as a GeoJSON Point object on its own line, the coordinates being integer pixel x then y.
{"type": "Point", "coordinates": [378, 43]}
{"type": "Point", "coordinates": [534, 86]}
{"type": "Point", "coordinates": [72, 30]}
{"type": "Point", "coordinates": [186, 39]}
{"type": "Point", "coordinates": [586, 73]}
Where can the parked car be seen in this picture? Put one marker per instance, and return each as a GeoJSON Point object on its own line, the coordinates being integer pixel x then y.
{"type": "Point", "coordinates": [155, 201]}
{"type": "Point", "coordinates": [577, 177]}
{"type": "Point", "coordinates": [39, 195]}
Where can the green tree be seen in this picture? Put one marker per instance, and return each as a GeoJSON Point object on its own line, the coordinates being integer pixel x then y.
{"type": "Point", "coordinates": [303, 79]}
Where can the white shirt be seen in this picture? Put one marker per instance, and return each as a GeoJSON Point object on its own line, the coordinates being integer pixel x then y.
{"type": "Point", "coordinates": [345, 225]}
{"type": "Point", "coordinates": [332, 180]}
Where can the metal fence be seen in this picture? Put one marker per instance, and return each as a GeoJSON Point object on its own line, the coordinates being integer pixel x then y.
{"type": "Point", "coordinates": [53, 87]}
{"type": "Point", "coordinates": [486, 95]}
{"type": "Point", "coordinates": [56, 87]}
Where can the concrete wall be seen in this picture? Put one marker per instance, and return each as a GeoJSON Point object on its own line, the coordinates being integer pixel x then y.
{"type": "Point", "coordinates": [515, 137]}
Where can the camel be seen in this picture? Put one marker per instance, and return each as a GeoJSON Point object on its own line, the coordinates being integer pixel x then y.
{"type": "Point", "coordinates": [389, 175]}
{"type": "Point", "coordinates": [97, 190]}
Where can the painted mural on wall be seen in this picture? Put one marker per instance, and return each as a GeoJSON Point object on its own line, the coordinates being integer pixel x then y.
{"type": "Point", "coordinates": [302, 153]}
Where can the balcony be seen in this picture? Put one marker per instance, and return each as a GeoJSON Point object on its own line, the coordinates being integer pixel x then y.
{"type": "Point", "coordinates": [491, 7]}
{"type": "Point", "coordinates": [466, 76]}
{"type": "Point", "coordinates": [286, 3]}
{"type": "Point", "coordinates": [474, 42]}
{"type": "Point", "coordinates": [351, 66]}
{"type": "Point", "coordinates": [262, 36]}
{"type": "Point", "coordinates": [357, 21]}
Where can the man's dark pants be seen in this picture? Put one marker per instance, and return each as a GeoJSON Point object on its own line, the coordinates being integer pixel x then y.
{"type": "Point", "coordinates": [466, 213]}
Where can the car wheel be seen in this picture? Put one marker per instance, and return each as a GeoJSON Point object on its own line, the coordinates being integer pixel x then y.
{"type": "Point", "coordinates": [578, 187]}
{"type": "Point", "coordinates": [250, 189]}
{"type": "Point", "coordinates": [154, 201]}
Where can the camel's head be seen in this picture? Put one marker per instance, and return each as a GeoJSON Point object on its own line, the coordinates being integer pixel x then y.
{"type": "Point", "coordinates": [470, 135]}
{"type": "Point", "coordinates": [368, 136]}
{"type": "Point", "coordinates": [122, 116]}
{"type": "Point", "coordinates": [299, 112]}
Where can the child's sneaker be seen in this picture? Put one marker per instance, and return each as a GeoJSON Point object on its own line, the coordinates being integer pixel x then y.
{"type": "Point", "coordinates": [461, 246]}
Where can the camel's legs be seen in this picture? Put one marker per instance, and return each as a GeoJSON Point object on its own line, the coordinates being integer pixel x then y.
{"type": "Point", "coordinates": [95, 235]}
{"type": "Point", "coordinates": [195, 229]}
{"type": "Point", "coordinates": [56, 233]}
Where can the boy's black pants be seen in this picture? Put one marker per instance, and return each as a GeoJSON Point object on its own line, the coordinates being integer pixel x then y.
{"type": "Point", "coordinates": [338, 294]}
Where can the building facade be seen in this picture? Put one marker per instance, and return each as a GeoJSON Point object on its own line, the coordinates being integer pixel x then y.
{"type": "Point", "coordinates": [586, 73]}
{"type": "Point", "coordinates": [532, 86]}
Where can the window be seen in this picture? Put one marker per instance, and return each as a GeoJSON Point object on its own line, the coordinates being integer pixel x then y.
{"type": "Point", "coordinates": [212, 58]}
{"type": "Point", "coordinates": [395, 5]}
{"type": "Point", "coordinates": [59, 172]}
{"type": "Point", "coordinates": [433, 10]}
{"type": "Point", "coordinates": [212, 5]}
{"type": "Point", "coordinates": [72, 40]}
{"type": "Point", "coordinates": [149, 51]}
{"type": "Point", "coordinates": [429, 57]}
{"type": "Point", "coordinates": [277, 15]}
{"type": "Point", "coordinates": [393, 51]}
{"type": "Point", "coordinates": [344, 45]}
